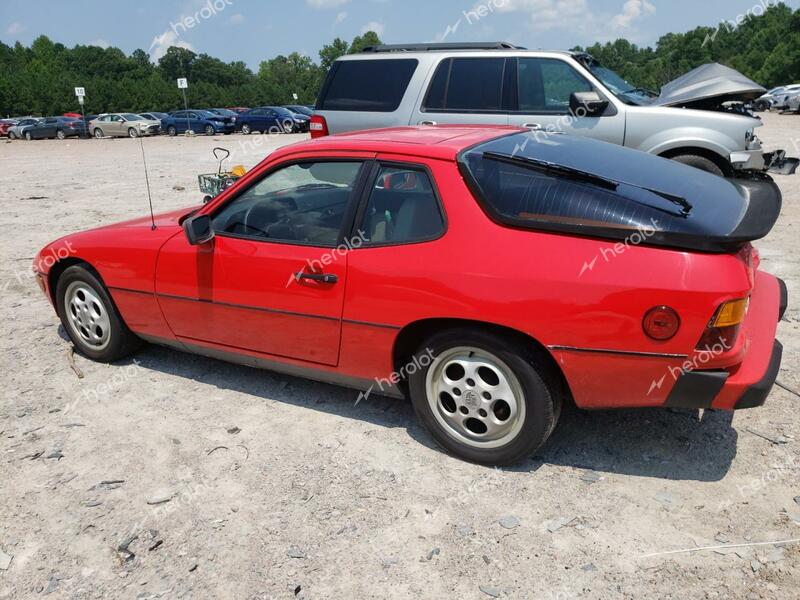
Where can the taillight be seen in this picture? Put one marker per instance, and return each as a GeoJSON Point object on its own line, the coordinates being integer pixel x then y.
{"type": "Point", "coordinates": [661, 323]}
{"type": "Point", "coordinates": [724, 326]}
{"type": "Point", "coordinates": [318, 126]}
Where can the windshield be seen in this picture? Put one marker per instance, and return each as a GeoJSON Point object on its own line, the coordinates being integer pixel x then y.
{"type": "Point", "coordinates": [132, 117]}
{"type": "Point", "coordinates": [622, 89]}
{"type": "Point", "coordinates": [224, 112]}
{"type": "Point", "coordinates": [301, 109]}
{"type": "Point", "coordinates": [282, 112]}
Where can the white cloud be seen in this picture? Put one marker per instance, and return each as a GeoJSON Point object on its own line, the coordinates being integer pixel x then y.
{"type": "Point", "coordinates": [550, 14]}
{"type": "Point", "coordinates": [237, 18]}
{"type": "Point", "coordinates": [15, 28]}
{"type": "Point", "coordinates": [326, 3]}
{"type": "Point", "coordinates": [632, 10]}
{"type": "Point", "coordinates": [100, 42]}
{"type": "Point", "coordinates": [340, 17]}
{"type": "Point", "coordinates": [375, 26]}
{"type": "Point", "coordinates": [161, 43]}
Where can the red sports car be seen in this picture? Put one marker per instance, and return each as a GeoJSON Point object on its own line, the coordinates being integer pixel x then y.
{"type": "Point", "coordinates": [488, 273]}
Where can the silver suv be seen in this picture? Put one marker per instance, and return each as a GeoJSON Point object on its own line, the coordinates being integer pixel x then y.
{"type": "Point", "coordinates": [698, 119]}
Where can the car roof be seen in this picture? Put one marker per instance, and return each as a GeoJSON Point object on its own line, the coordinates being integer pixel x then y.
{"type": "Point", "coordinates": [430, 141]}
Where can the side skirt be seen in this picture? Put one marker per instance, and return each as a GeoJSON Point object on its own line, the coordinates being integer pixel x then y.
{"type": "Point", "coordinates": [257, 362]}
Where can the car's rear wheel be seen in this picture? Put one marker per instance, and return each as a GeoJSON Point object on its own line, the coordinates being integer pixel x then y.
{"type": "Point", "coordinates": [171, 131]}
{"type": "Point", "coordinates": [12, 135]}
{"type": "Point", "coordinates": [246, 129]}
{"type": "Point", "coordinates": [699, 162]}
{"type": "Point", "coordinates": [98, 133]}
{"type": "Point", "coordinates": [60, 134]}
{"type": "Point", "coordinates": [90, 318]}
{"type": "Point", "coordinates": [132, 132]}
{"type": "Point", "coordinates": [481, 397]}
{"type": "Point", "coordinates": [209, 130]}
{"type": "Point", "coordinates": [28, 136]}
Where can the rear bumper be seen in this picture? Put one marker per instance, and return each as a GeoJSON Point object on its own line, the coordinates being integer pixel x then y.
{"type": "Point", "coordinates": [747, 384]}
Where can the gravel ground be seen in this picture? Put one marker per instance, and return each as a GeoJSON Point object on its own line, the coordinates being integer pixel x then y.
{"type": "Point", "coordinates": [175, 476]}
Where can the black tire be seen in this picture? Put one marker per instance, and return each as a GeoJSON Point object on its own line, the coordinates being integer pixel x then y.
{"type": "Point", "coordinates": [246, 129]}
{"type": "Point", "coordinates": [61, 135]}
{"type": "Point", "coordinates": [209, 130]}
{"type": "Point", "coordinates": [12, 135]}
{"type": "Point", "coordinates": [98, 133]}
{"type": "Point", "coordinates": [132, 132]}
{"type": "Point", "coordinates": [541, 395]}
{"type": "Point", "coordinates": [28, 136]}
{"type": "Point", "coordinates": [122, 342]}
{"type": "Point", "coordinates": [699, 162]}
{"type": "Point", "coordinates": [171, 131]}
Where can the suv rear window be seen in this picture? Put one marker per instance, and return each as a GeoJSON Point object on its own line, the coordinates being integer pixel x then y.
{"type": "Point", "coordinates": [367, 85]}
{"type": "Point", "coordinates": [467, 84]}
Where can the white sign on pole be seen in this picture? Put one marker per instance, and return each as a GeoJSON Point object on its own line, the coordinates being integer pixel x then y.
{"type": "Point", "coordinates": [80, 92]}
{"type": "Point", "coordinates": [182, 83]}
{"type": "Point", "coordinates": [80, 100]}
{"type": "Point", "coordinates": [295, 96]}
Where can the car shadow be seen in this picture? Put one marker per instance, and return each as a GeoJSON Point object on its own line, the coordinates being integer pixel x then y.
{"type": "Point", "coordinates": [660, 443]}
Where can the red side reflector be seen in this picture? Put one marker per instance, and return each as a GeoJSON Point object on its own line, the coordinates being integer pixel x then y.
{"type": "Point", "coordinates": [661, 322]}
{"type": "Point", "coordinates": [318, 126]}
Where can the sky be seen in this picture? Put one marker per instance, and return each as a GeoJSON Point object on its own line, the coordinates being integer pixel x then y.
{"type": "Point", "coordinates": [254, 30]}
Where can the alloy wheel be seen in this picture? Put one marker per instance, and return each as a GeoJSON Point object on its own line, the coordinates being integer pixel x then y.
{"type": "Point", "coordinates": [87, 315]}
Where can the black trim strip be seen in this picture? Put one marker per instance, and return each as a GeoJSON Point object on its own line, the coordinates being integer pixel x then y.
{"type": "Point", "coordinates": [622, 352]}
{"type": "Point", "coordinates": [368, 324]}
{"type": "Point", "coordinates": [757, 393]}
{"type": "Point", "coordinates": [122, 289]}
{"type": "Point", "coordinates": [249, 307]}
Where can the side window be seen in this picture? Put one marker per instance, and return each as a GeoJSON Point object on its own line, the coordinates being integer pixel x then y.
{"type": "Point", "coordinates": [468, 84]}
{"type": "Point", "coordinates": [545, 85]}
{"type": "Point", "coordinates": [302, 203]}
{"type": "Point", "coordinates": [402, 208]}
{"type": "Point", "coordinates": [374, 85]}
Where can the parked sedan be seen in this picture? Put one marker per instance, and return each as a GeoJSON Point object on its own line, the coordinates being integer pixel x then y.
{"type": "Point", "coordinates": [602, 275]}
{"type": "Point", "coordinates": [54, 127]}
{"type": "Point", "coordinates": [123, 125]}
{"type": "Point", "coordinates": [272, 119]}
{"type": "Point", "coordinates": [6, 124]}
{"type": "Point", "coordinates": [197, 121]}
{"type": "Point", "coordinates": [15, 131]}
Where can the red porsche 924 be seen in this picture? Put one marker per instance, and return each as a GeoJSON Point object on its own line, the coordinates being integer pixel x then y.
{"type": "Point", "coordinates": [487, 273]}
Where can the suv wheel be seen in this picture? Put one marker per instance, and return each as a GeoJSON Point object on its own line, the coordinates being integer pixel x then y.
{"type": "Point", "coordinates": [699, 162]}
{"type": "Point", "coordinates": [90, 318]}
{"type": "Point", "coordinates": [482, 398]}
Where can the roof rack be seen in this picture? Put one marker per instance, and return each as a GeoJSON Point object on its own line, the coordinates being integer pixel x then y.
{"type": "Point", "coordinates": [442, 46]}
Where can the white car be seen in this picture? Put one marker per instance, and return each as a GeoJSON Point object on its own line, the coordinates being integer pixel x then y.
{"type": "Point", "coordinates": [772, 97]}
{"type": "Point", "coordinates": [793, 102]}
{"type": "Point", "coordinates": [122, 125]}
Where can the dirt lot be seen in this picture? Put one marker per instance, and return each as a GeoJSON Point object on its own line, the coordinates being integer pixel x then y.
{"type": "Point", "coordinates": [176, 476]}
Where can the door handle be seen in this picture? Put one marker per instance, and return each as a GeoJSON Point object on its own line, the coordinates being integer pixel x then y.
{"type": "Point", "coordinates": [427, 123]}
{"type": "Point", "coordinates": [533, 126]}
{"type": "Point", "coordinates": [321, 277]}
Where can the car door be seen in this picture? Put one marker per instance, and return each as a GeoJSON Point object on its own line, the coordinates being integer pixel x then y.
{"type": "Point", "coordinates": [115, 125]}
{"type": "Point", "coordinates": [544, 86]}
{"type": "Point", "coordinates": [47, 129]}
{"type": "Point", "coordinates": [272, 280]}
{"type": "Point", "coordinates": [467, 90]}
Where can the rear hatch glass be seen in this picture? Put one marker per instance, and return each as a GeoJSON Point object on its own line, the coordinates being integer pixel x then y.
{"type": "Point", "coordinates": [581, 186]}
{"type": "Point", "coordinates": [367, 85]}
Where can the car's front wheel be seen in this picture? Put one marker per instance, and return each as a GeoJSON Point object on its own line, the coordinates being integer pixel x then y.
{"type": "Point", "coordinates": [132, 132]}
{"type": "Point", "coordinates": [481, 397]}
{"type": "Point", "coordinates": [90, 318]}
{"type": "Point", "coordinates": [699, 162]}
{"type": "Point", "coordinates": [246, 129]}
{"type": "Point", "coordinates": [28, 136]}
{"type": "Point", "coordinates": [171, 131]}
{"type": "Point", "coordinates": [12, 135]}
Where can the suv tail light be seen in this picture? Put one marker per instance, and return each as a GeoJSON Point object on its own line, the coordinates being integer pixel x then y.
{"type": "Point", "coordinates": [724, 325]}
{"type": "Point", "coordinates": [318, 126]}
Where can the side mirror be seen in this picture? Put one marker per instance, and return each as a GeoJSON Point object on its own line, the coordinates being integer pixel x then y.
{"type": "Point", "coordinates": [198, 230]}
{"type": "Point", "coordinates": [587, 104]}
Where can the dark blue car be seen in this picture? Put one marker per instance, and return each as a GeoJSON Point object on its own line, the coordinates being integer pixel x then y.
{"type": "Point", "coordinates": [198, 121]}
{"type": "Point", "coordinates": [272, 119]}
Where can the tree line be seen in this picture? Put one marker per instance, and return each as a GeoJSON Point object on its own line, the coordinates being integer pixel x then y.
{"type": "Point", "coordinates": [764, 45]}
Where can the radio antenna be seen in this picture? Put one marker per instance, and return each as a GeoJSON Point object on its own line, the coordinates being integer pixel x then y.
{"type": "Point", "coordinates": [147, 181]}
